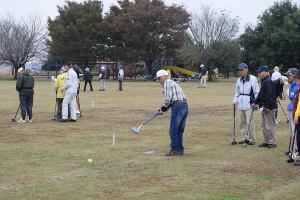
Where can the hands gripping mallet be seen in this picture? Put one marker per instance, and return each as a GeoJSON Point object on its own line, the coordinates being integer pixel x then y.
{"type": "Point", "coordinates": [136, 130]}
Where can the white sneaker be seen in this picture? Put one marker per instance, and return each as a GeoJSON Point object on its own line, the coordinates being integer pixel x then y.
{"type": "Point", "coordinates": [30, 121]}
{"type": "Point", "coordinates": [77, 112]}
{"type": "Point", "coordinates": [21, 121]}
{"type": "Point", "coordinates": [295, 155]}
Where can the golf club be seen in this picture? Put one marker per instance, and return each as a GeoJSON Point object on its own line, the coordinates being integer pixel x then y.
{"type": "Point", "coordinates": [78, 103]}
{"type": "Point", "coordinates": [287, 119]}
{"type": "Point", "coordinates": [136, 130]}
{"type": "Point", "coordinates": [234, 142]}
{"type": "Point", "coordinates": [248, 129]}
{"type": "Point", "coordinates": [14, 119]}
{"type": "Point", "coordinates": [291, 159]}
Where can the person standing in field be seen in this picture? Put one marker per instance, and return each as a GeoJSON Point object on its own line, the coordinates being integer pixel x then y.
{"type": "Point", "coordinates": [175, 99]}
{"type": "Point", "coordinates": [87, 77]}
{"type": "Point", "coordinates": [70, 88]}
{"type": "Point", "coordinates": [25, 85]}
{"type": "Point", "coordinates": [102, 78]}
{"type": "Point", "coordinates": [202, 76]}
{"type": "Point", "coordinates": [120, 78]}
{"type": "Point", "coordinates": [291, 73]}
{"type": "Point", "coordinates": [58, 85]}
{"type": "Point", "coordinates": [266, 101]}
{"type": "Point", "coordinates": [246, 90]}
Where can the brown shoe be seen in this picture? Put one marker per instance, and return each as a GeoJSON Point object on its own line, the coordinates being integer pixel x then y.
{"type": "Point", "coordinates": [174, 153]}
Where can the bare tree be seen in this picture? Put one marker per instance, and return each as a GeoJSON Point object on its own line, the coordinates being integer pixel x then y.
{"type": "Point", "coordinates": [21, 41]}
{"type": "Point", "coordinates": [208, 28]}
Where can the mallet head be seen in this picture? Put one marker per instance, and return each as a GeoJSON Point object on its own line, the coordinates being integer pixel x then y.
{"type": "Point", "coordinates": [135, 130]}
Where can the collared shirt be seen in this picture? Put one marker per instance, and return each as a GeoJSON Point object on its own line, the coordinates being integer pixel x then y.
{"type": "Point", "coordinates": [246, 90]}
{"type": "Point", "coordinates": [172, 92]}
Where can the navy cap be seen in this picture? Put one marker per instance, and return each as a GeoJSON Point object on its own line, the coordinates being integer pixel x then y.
{"type": "Point", "coordinates": [291, 71]}
{"type": "Point", "coordinates": [242, 66]}
{"type": "Point", "coordinates": [262, 68]}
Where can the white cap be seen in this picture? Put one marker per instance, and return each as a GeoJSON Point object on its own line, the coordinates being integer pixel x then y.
{"type": "Point", "coordinates": [201, 65]}
{"type": "Point", "coordinates": [87, 69]}
{"type": "Point", "coordinates": [161, 73]}
{"type": "Point", "coordinates": [103, 68]}
{"type": "Point", "coordinates": [20, 69]}
{"type": "Point", "coordinates": [276, 69]}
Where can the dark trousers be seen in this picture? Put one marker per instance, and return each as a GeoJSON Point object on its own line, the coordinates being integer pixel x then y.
{"type": "Point", "coordinates": [26, 103]}
{"type": "Point", "coordinates": [91, 87]}
{"type": "Point", "coordinates": [59, 107]}
{"type": "Point", "coordinates": [177, 125]}
{"type": "Point", "coordinates": [298, 137]}
{"type": "Point", "coordinates": [120, 85]}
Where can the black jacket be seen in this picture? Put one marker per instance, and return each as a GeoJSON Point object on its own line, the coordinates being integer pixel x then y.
{"type": "Point", "coordinates": [266, 97]}
{"type": "Point", "coordinates": [25, 84]}
{"type": "Point", "coordinates": [87, 76]}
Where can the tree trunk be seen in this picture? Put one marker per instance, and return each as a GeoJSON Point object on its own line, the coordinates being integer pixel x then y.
{"type": "Point", "coordinates": [148, 67]}
{"type": "Point", "coordinates": [15, 72]}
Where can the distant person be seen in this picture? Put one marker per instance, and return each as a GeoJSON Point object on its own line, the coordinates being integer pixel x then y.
{"type": "Point", "coordinates": [107, 72]}
{"type": "Point", "coordinates": [276, 78]}
{"type": "Point", "coordinates": [121, 78]}
{"type": "Point", "coordinates": [87, 77]}
{"type": "Point", "coordinates": [102, 79]}
{"type": "Point", "coordinates": [70, 88]}
{"type": "Point", "coordinates": [246, 90]}
{"type": "Point", "coordinates": [266, 101]}
{"type": "Point", "coordinates": [58, 85]}
{"type": "Point", "coordinates": [25, 85]}
{"type": "Point", "coordinates": [202, 76]}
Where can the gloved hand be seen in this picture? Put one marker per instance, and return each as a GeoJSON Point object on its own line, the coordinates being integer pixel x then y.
{"type": "Point", "coordinates": [164, 109]}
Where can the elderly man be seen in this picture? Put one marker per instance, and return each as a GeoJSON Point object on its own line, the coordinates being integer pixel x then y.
{"type": "Point", "coordinates": [70, 88]}
{"type": "Point", "coordinates": [24, 86]}
{"type": "Point", "coordinates": [246, 90]}
{"type": "Point", "coordinates": [291, 73]}
{"type": "Point", "coordinates": [174, 98]}
{"type": "Point", "coordinates": [266, 100]}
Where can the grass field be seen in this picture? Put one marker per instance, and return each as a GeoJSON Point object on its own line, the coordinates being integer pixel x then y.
{"type": "Point", "coordinates": [48, 160]}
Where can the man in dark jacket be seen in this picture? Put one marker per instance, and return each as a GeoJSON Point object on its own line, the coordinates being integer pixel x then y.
{"type": "Point", "coordinates": [87, 77]}
{"type": "Point", "coordinates": [266, 100]}
{"type": "Point", "coordinates": [24, 86]}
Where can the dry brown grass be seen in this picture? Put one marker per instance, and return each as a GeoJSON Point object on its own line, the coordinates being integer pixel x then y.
{"type": "Point", "coordinates": [48, 160]}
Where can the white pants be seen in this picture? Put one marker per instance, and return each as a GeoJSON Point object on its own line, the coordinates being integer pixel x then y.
{"type": "Point", "coordinates": [292, 131]}
{"type": "Point", "coordinates": [202, 82]}
{"type": "Point", "coordinates": [102, 84]}
{"type": "Point", "coordinates": [69, 100]}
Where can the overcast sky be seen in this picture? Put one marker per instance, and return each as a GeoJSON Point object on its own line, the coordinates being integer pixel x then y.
{"type": "Point", "coordinates": [246, 10]}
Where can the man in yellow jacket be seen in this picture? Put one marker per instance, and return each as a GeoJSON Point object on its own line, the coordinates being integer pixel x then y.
{"type": "Point", "coordinates": [58, 85]}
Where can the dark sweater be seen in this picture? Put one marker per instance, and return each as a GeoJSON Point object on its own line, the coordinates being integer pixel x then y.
{"type": "Point", "coordinates": [266, 97]}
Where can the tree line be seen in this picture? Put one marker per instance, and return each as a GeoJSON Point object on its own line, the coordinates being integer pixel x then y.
{"type": "Point", "coordinates": [150, 30]}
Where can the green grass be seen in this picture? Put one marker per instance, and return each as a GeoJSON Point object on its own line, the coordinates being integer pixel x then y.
{"type": "Point", "coordinates": [48, 160]}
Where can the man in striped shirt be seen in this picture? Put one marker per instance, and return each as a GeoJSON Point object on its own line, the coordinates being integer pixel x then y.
{"type": "Point", "coordinates": [174, 98]}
